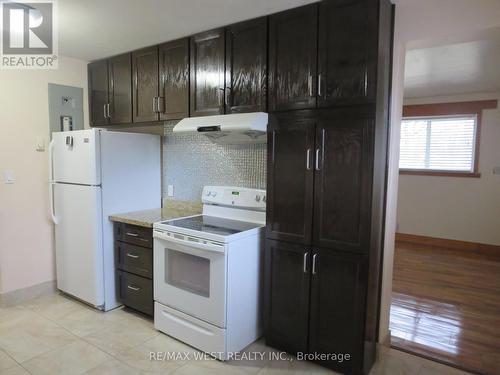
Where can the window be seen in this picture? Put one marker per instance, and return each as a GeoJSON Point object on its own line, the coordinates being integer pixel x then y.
{"type": "Point", "coordinates": [440, 143]}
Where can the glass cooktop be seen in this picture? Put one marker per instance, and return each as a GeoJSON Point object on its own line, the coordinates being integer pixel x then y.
{"type": "Point", "coordinates": [212, 225]}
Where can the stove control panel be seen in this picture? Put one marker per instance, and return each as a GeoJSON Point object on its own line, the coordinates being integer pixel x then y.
{"type": "Point", "coordinates": [237, 197]}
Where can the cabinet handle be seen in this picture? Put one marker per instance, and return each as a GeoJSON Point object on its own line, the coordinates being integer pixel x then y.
{"type": "Point", "coordinates": [132, 234]}
{"type": "Point", "coordinates": [104, 109]}
{"type": "Point", "coordinates": [320, 91]}
{"type": "Point", "coordinates": [317, 160]}
{"type": "Point", "coordinates": [227, 97]}
{"type": "Point", "coordinates": [154, 104]}
{"type": "Point", "coordinates": [314, 264]}
{"type": "Point", "coordinates": [305, 262]}
{"type": "Point", "coordinates": [310, 85]}
{"type": "Point", "coordinates": [132, 256]}
{"type": "Point", "coordinates": [135, 289]}
{"type": "Point", "coordinates": [160, 104]}
{"type": "Point", "coordinates": [221, 99]}
{"type": "Point", "coordinates": [308, 159]}
{"type": "Point", "coordinates": [109, 111]}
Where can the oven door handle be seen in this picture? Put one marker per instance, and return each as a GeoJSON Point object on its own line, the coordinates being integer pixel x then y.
{"type": "Point", "coordinates": [191, 244]}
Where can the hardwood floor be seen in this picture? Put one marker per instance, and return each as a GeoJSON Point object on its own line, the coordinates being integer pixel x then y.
{"type": "Point", "coordinates": [446, 306]}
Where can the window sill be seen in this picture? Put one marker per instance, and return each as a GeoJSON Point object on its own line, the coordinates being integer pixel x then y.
{"type": "Point", "coordinates": [439, 173]}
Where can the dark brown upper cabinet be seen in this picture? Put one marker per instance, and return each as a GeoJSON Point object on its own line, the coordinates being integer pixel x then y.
{"type": "Point", "coordinates": [336, 322]}
{"type": "Point", "coordinates": [174, 80]}
{"type": "Point", "coordinates": [120, 89]}
{"type": "Point", "coordinates": [342, 182]}
{"type": "Point", "coordinates": [246, 66]}
{"type": "Point", "coordinates": [286, 288]}
{"type": "Point", "coordinates": [145, 84]}
{"type": "Point", "coordinates": [98, 92]}
{"type": "Point", "coordinates": [293, 58]}
{"type": "Point", "coordinates": [110, 91]}
{"type": "Point", "coordinates": [290, 172]}
{"type": "Point", "coordinates": [207, 73]}
{"type": "Point", "coordinates": [347, 52]}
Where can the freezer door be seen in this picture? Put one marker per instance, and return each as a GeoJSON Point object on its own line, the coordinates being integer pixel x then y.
{"type": "Point", "coordinates": [78, 242]}
{"type": "Point", "coordinates": [75, 157]}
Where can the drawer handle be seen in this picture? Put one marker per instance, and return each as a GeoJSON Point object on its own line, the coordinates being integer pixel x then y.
{"type": "Point", "coordinates": [135, 289]}
{"type": "Point", "coordinates": [132, 256]}
{"type": "Point", "coordinates": [132, 234]}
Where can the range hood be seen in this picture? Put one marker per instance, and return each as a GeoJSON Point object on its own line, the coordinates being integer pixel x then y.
{"type": "Point", "coordinates": [234, 128]}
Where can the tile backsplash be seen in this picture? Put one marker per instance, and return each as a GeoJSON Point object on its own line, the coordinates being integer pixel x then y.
{"type": "Point", "coordinates": [192, 161]}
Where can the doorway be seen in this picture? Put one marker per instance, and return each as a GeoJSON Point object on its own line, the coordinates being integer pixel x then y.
{"type": "Point", "coordinates": [446, 276]}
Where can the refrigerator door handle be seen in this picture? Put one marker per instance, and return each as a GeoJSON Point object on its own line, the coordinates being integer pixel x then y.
{"type": "Point", "coordinates": [51, 183]}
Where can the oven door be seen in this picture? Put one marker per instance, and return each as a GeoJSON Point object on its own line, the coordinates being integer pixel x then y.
{"type": "Point", "coordinates": [190, 276]}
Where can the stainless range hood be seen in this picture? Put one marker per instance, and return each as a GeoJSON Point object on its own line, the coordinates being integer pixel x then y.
{"type": "Point", "coordinates": [233, 129]}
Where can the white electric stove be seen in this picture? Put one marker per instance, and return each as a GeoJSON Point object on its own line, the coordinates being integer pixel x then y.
{"type": "Point", "coordinates": [207, 271]}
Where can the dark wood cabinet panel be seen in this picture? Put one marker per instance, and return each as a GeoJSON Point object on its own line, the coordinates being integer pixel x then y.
{"type": "Point", "coordinates": [134, 259]}
{"type": "Point", "coordinates": [145, 84]}
{"type": "Point", "coordinates": [174, 79]}
{"type": "Point", "coordinates": [135, 292]}
{"type": "Point", "coordinates": [246, 66]}
{"type": "Point", "coordinates": [120, 89]}
{"type": "Point", "coordinates": [207, 73]}
{"type": "Point", "coordinates": [290, 167]}
{"type": "Point", "coordinates": [347, 52]}
{"type": "Point", "coordinates": [98, 92]}
{"type": "Point", "coordinates": [293, 58]}
{"type": "Point", "coordinates": [342, 184]}
{"type": "Point", "coordinates": [286, 289]}
{"type": "Point", "coordinates": [338, 291]}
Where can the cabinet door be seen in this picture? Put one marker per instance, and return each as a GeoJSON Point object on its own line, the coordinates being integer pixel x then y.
{"type": "Point", "coordinates": [120, 89]}
{"type": "Point", "coordinates": [145, 80]}
{"type": "Point", "coordinates": [286, 285]}
{"type": "Point", "coordinates": [347, 51]}
{"type": "Point", "coordinates": [338, 292]}
{"type": "Point", "coordinates": [292, 59]}
{"type": "Point", "coordinates": [98, 92]}
{"type": "Point", "coordinates": [290, 176]}
{"type": "Point", "coordinates": [174, 80]}
{"type": "Point", "coordinates": [207, 73]}
{"type": "Point", "coordinates": [342, 183]}
{"type": "Point", "coordinates": [246, 66]}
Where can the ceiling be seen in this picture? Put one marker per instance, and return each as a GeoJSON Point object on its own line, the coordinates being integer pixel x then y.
{"type": "Point", "coordinates": [93, 29]}
{"type": "Point", "coordinates": [458, 68]}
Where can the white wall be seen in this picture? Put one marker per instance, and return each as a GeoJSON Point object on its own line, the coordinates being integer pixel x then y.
{"type": "Point", "coordinates": [26, 234]}
{"type": "Point", "coordinates": [466, 209]}
{"type": "Point", "coordinates": [421, 23]}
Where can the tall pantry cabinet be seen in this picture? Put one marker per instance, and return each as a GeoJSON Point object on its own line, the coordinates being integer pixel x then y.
{"type": "Point", "coordinates": [327, 147]}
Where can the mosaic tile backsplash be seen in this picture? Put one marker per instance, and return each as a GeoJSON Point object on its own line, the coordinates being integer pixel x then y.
{"type": "Point", "coordinates": [192, 161]}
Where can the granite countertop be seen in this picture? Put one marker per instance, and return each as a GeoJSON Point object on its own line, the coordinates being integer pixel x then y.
{"type": "Point", "coordinates": [146, 218]}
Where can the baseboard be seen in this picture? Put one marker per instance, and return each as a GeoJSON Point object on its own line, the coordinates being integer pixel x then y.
{"type": "Point", "coordinates": [492, 251]}
{"type": "Point", "coordinates": [22, 295]}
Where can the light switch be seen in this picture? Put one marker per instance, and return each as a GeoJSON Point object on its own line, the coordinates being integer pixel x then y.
{"type": "Point", "coordinates": [40, 144]}
{"type": "Point", "coordinates": [170, 190]}
{"type": "Point", "coordinates": [8, 176]}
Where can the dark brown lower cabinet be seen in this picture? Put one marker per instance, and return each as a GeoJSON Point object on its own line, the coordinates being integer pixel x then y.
{"type": "Point", "coordinates": [338, 290]}
{"type": "Point", "coordinates": [287, 295]}
{"type": "Point", "coordinates": [134, 266]}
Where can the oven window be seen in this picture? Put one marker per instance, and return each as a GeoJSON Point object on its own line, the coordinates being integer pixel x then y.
{"type": "Point", "coordinates": [188, 272]}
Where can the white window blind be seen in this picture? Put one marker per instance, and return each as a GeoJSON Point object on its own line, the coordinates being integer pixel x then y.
{"type": "Point", "coordinates": [438, 143]}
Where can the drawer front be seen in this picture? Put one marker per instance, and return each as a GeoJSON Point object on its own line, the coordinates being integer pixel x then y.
{"type": "Point", "coordinates": [134, 234]}
{"type": "Point", "coordinates": [135, 292]}
{"type": "Point", "coordinates": [134, 259]}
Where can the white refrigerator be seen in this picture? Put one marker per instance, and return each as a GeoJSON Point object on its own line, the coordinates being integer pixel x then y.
{"type": "Point", "coordinates": [93, 174]}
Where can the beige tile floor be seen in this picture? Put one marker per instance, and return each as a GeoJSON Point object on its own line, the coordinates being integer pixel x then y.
{"type": "Point", "coordinates": [57, 335]}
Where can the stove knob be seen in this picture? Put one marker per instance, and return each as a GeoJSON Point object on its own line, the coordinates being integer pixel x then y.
{"type": "Point", "coordinates": [207, 193]}
{"type": "Point", "coordinates": [213, 193]}
{"type": "Point", "coordinates": [257, 198]}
